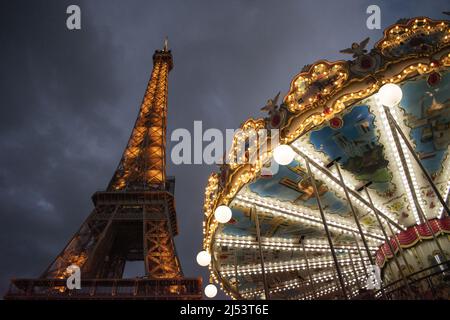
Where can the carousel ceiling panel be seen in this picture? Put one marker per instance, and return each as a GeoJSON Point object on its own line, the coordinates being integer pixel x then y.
{"type": "Point", "coordinates": [243, 224]}
{"type": "Point", "coordinates": [425, 114]}
{"type": "Point", "coordinates": [356, 138]}
{"type": "Point", "coordinates": [356, 143]}
{"type": "Point", "coordinates": [291, 183]}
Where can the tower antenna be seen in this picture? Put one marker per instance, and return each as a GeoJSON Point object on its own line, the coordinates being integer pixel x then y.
{"type": "Point", "coordinates": [166, 44]}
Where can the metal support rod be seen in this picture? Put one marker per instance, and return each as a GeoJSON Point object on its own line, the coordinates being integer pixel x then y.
{"type": "Point", "coordinates": [353, 268]}
{"type": "Point", "coordinates": [304, 290]}
{"type": "Point", "coordinates": [398, 286]}
{"type": "Point", "coordinates": [334, 179]}
{"type": "Point", "coordinates": [397, 242]}
{"type": "Point", "coordinates": [407, 173]}
{"type": "Point", "coordinates": [360, 255]}
{"type": "Point", "coordinates": [325, 225]}
{"type": "Point", "coordinates": [261, 256]}
{"type": "Point", "coordinates": [388, 241]}
{"type": "Point", "coordinates": [236, 273]}
{"type": "Point", "coordinates": [422, 216]}
{"type": "Point", "coordinates": [311, 281]}
{"type": "Point", "coordinates": [431, 286]}
{"type": "Point", "coordinates": [416, 157]}
{"type": "Point", "coordinates": [337, 284]}
{"type": "Point", "coordinates": [355, 217]}
{"type": "Point", "coordinates": [391, 271]}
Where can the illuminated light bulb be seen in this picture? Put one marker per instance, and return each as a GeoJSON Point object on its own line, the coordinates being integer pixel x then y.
{"type": "Point", "coordinates": [390, 94]}
{"type": "Point", "coordinates": [203, 258]}
{"type": "Point", "coordinates": [210, 290]}
{"type": "Point", "coordinates": [223, 214]}
{"type": "Point", "coordinates": [283, 154]}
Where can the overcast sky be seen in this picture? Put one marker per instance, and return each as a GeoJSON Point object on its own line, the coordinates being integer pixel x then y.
{"type": "Point", "coordinates": [69, 99]}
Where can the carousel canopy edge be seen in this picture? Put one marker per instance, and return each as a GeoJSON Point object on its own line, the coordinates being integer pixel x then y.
{"type": "Point", "coordinates": [409, 49]}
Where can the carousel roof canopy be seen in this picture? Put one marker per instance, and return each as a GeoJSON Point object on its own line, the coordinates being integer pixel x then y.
{"type": "Point", "coordinates": [335, 120]}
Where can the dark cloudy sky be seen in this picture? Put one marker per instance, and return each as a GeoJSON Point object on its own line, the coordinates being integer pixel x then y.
{"type": "Point", "coordinates": [69, 98]}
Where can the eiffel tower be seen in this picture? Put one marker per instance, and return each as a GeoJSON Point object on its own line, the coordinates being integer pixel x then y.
{"type": "Point", "coordinates": [133, 220]}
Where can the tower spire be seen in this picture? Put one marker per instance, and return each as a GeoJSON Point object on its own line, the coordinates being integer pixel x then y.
{"type": "Point", "coordinates": [143, 163]}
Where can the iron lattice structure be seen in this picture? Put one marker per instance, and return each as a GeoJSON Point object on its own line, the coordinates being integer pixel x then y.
{"type": "Point", "coordinates": [133, 220]}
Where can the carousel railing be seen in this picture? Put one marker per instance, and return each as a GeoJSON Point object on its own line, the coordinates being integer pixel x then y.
{"type": "Point", "coordinates": [432, 282]}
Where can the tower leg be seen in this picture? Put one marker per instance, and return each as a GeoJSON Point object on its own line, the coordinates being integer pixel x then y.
{"type": "Point", "coordinates": [160, 258]}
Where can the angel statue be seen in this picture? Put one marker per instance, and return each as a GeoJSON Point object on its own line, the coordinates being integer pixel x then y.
{"type": "Point", "coordinates": [357, 49]}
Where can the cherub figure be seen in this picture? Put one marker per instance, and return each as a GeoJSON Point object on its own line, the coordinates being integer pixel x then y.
{"type": "Point", "coordinates": [357, 49]}
{"type": "Point", "coordinates": [271, 105]}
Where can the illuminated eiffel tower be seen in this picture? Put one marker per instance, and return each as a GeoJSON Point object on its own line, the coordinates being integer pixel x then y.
{"type": "Point", "coordinates": [133, 220]}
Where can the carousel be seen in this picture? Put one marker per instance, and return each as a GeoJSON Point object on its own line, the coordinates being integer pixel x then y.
{"type": "Point", "coordinates": [357, 206]}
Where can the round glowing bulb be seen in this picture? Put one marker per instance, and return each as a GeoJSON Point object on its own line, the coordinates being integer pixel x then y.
{"type": "Point", "coordinates": [283, 154]}
{"type": "Point", "coordinates": [390, 94]}
{"type": "Point", "coordinates": [223, 214]}
{"type": "Point", "coordinates": [203, 258]}
{"type": "Point", "coordinates": [210, 291]}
